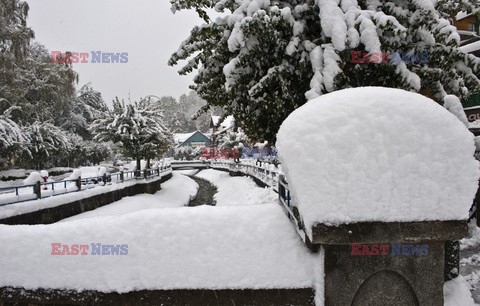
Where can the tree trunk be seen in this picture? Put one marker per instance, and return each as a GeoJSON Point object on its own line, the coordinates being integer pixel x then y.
{"type": "Point", "coordinates": [138, 168]}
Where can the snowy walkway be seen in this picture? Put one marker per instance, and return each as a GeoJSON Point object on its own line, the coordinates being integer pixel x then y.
{"type": "Point", "coordinates": [238, 190]}
{"type": "Point", "coordinates": [175, 192]}
{"type": "Point", "coordinates": [248, 246]}
{"type": "Point", "coordinates": [470, 261]}
{"type": "Point", "coordinates": [187, 247]}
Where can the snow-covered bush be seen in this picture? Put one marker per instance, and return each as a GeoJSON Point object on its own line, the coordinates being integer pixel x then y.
{"type": "Point", "coordinates": [233, 140]}
{"type": "Point", "coordinates": [187, 153]}
{"type": "Point", "coordinates": [45, 141]}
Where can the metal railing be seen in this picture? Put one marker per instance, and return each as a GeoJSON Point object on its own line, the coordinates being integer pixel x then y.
{"type": "Point", "coordinates": [267, 176]}
{"type": "Point", "coordinates": [274, 179]}
{"type": "Point", "coordinates": [16, 194]}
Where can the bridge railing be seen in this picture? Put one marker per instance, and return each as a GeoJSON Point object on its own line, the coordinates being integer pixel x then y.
{"type": "Point", "coordinates": [268, 176]}
{"type": "Point", "coordinates": [274, 179]}
{"type": "Point", "coordinates": [21, 193]}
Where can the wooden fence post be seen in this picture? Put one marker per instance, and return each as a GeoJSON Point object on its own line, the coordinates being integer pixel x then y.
{"type": "Point", "coordinates": [121, 176]}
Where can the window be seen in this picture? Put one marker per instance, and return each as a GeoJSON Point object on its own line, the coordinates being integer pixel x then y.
{"type": "Point", "coordinates": [471, 27]}
{"type": "Point", "coordinates": [198, 144]}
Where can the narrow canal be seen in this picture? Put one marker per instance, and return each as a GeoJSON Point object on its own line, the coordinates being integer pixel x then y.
{"type": "Point", "coordinates": [205, 194]}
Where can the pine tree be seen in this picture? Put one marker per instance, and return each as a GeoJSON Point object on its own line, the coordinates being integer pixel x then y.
{"type": "Point", "coordinates": [15, 39]}
{"type": "Point", "coordinates": [232, 139]}
{"type": "Point", "coordinates": [38, 101]}
{"type": "Point", "coordinates": [264, 59]}
{"type": "Point", "coordinates": [138, 127]}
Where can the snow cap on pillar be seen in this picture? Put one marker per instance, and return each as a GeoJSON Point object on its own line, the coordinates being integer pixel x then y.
{"type": "Point", "coordinates": [377, 154]}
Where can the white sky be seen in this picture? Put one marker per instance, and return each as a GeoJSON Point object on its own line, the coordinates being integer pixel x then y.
{"type": "Point", "coordinates": [146, 29]}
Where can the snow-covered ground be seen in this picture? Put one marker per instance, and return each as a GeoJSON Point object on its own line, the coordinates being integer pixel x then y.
{"type": "Point", "coordinates": [34, 205]}
{"type": "Point", "coordinates": [243, 246]}
{"type": "Point", "coordinates": [175, 192]}
{"type": "Point", "coordinates": [470, 260]}
{"type": "Point", "coordinates": [456, 293]}
{"type": "Point", "coordinates": [251, 246]}
{"type": "Point", "coordinates": [246, 241]}
{"type": "Point", "coordinates": [237, 190]}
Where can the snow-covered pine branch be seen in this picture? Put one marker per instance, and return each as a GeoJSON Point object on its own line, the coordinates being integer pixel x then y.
{"type": "Point", "coordinates": [263, 59]}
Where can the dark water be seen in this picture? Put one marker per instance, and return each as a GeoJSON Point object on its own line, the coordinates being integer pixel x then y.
{"type": "Point", "coordinates": [205, 194]}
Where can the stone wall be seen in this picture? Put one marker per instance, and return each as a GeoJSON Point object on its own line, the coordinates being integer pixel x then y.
{"type": "Point", "coordinates": [194, 297]}
{"type": "Point", "coordinates": [54, 214]}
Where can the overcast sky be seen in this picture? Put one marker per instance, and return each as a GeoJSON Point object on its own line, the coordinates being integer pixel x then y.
{"type": "Point", "coordinates": [146, 29]}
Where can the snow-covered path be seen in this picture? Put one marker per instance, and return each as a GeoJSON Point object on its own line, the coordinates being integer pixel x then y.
{"type": "Point", "coordinates": [175, 192]}
{"type": "Point", "coordinates": [238, 190]}
{"type": "Point", "coordinates": [470, 260]}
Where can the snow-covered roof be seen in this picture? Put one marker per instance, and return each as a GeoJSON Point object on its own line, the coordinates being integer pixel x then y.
{"type": "Point", "coordinates": [466, 33]}
{"type": "Point", "coordinates": [471, 47]}
{"type": "Point", "coordinates": [462, 15]}
{"type": "Point", "coordinates": [404, 158]}
{"type": "Point", "coordinates": [181, 137]}
{"type": "Point", "coordinates": [215, 120]}
{"type": "Point", "coordinates": [226, 124]}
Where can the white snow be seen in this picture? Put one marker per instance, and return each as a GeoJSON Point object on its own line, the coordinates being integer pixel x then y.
{"type": "Point", "coordinates": [456, 293]}
{"type": "Point", "coordinates": [227, 123]}
{"type": "Point", "coordinates": [93, 171]}
{"type": "Point", "coordinates": [233, 191]}
{"type": "Point", "coordinates": [189, 247]}
{"type": "Point", "coordinates": [473, 238]}
{"type": "Point", "coordinates": [75, 175]}
{"type": "Point", "coordinates": [377, 154]}
{"type": "Point", "coordinates": [33, 178]}
{"type": "Point", "coordinates": [176, 192]}
{"type": "Point", "coordinates": [180, 138]}
{"type": "Point", "coordinates": [34, 205]}
{"type": "Point", "coordinates": [453, 104]}
{"type": "Point", "coordinates": [461, 15]}
{"type": "Point", "coordinates": [471, 47]}
{"type": "Point", "coordinates": [16, 173]}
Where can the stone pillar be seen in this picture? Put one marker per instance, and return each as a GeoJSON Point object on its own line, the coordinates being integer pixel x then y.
{"type": "Point", "coordinates": [410, 271]}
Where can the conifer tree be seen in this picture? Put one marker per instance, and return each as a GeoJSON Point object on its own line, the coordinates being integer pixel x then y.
{"type": "Point", "coordinates": [263, 59]}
